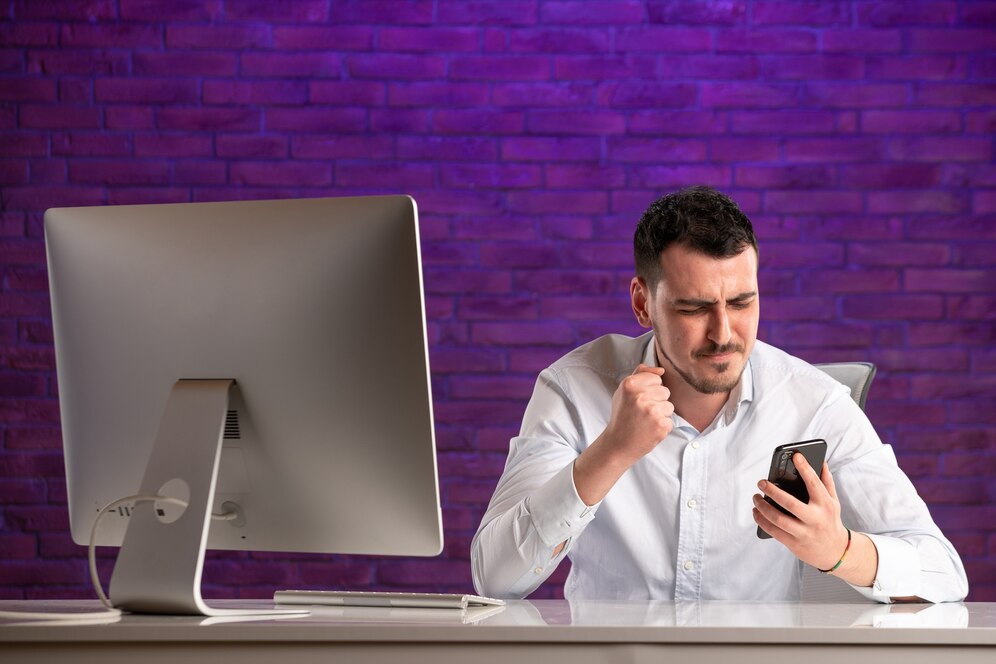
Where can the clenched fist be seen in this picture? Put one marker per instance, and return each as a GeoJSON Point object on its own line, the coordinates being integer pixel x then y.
{"type": "Point", "coordinates": [640, 419]}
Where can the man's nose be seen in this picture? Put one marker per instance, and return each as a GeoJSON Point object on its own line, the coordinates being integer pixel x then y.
{"type": "Point", "coordinates": [719, 327]}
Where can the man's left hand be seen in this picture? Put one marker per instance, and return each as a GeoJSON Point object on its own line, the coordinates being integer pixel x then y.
{"type": "Point", "coordinates": [813, 531]}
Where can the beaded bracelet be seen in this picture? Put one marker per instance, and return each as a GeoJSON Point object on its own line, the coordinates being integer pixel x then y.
{"type": "Point", "coordinates": [842, 556]}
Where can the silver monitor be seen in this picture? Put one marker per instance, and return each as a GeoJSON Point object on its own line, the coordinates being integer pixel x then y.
{"type": "Point", "coordinates": [266, 360]}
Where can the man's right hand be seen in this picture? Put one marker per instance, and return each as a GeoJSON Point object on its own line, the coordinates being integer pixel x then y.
{"type": "Point", "coordinates": [640, 419]}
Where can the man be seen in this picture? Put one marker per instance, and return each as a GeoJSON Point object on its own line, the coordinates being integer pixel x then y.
{"type": "Point", "coordinates": [641, 458]}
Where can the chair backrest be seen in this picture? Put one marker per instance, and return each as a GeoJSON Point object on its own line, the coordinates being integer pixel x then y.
{"type": "Point", "coordinates": [818, 587]}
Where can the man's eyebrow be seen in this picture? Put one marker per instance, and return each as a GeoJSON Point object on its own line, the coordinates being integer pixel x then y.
{"type": "Point", "coordinates": [693, 302]}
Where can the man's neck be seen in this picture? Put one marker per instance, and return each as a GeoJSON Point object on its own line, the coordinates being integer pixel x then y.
{"type": "Point", "coordinates": [696, 408]}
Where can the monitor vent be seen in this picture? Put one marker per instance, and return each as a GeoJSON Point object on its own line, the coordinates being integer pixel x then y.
{"type": "Point", "coordinates": [232, 431]}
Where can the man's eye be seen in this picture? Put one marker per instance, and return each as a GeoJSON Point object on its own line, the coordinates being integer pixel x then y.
{"type": "Point", "coordinates": [740, 305]}
{"type": "Point", "coordinates": [690, 312]}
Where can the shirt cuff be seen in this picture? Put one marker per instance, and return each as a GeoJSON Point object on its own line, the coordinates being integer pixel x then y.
{"type": "Point", "coordinates": [558, 513]}
{"type": "Point", "coordinates": [898, 572]}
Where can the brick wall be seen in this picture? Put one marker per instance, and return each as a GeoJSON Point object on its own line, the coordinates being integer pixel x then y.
{"type": "Point", "coordinates": [858, 135]}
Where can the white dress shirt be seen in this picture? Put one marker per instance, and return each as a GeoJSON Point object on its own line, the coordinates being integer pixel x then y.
{"type": "Point", "coordinates": [678, 525]}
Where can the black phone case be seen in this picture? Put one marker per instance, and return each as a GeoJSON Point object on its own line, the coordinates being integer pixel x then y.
{"type": "Point", "coordinates": [785, 476]}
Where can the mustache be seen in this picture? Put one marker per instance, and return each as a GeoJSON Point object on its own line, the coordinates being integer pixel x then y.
{"type": "Point", "coordinates": [716, 349]}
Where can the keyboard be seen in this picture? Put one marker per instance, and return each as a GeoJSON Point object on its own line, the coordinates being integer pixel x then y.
{"type": "Point", "coordinates": [397, 600]}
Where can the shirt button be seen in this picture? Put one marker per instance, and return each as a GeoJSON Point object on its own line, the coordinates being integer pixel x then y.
{"type": "Point", "coordinates": [689, 565]}
{"type": "Point", "coordinates": [538, 570]}
{"type": "Point", "coordinates": [695, 445]}
{"type": "Point", "coordinates": [691, 503]}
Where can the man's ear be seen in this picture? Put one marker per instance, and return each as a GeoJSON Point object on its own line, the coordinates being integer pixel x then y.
{"type": "Point", "coordinates": [639, 294]}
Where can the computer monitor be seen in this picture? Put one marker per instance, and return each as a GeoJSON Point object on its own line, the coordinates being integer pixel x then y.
{"type": "Point", "coordinates": [262, 359]}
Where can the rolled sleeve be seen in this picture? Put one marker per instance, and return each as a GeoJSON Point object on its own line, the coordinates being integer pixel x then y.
{"type": "Point", "coordinates": [557, 512]}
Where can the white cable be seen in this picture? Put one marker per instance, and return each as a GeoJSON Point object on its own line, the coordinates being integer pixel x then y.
{"type": "Point", "coordinates": [110, 611]}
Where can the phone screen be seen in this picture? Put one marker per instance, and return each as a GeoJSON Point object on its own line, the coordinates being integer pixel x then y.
{"type": "Point", "coordinates": [784, 475]}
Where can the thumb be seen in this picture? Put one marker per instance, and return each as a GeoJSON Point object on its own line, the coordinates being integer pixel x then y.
{"type": "Point", "coordinates": [643, 368]}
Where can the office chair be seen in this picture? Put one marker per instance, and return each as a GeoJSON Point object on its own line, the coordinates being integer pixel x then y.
{"type": "Point", "coordinates": [817, 587]}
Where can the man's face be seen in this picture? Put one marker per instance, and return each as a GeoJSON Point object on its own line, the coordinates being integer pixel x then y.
{"type": "Point", "coordinates": [704, 312]}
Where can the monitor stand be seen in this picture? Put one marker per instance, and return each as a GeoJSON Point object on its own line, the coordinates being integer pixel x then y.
{"type": "Point", "coordinates": [158, 569]}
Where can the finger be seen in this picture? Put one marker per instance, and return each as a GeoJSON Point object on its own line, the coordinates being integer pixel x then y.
{"type": "Point", "coordinates": [809, 476]}
{"type": "Point", "coordinates": [827, 480]}
{"type": "Point", "coordinates": [783, 498]}
{"type": "Point", "coordinates": [767, 526]}
{"type": "Point", "coordinates": [786, 523]}
{"type": "Point", "coordinates": [643, 368]}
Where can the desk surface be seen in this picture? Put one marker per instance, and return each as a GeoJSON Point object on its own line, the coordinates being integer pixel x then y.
{"type": "Point", "coordinates": [523, 630]}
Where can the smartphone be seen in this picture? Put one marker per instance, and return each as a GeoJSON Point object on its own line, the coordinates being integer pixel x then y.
{"type": "Point", "coordinates": [785, 476]}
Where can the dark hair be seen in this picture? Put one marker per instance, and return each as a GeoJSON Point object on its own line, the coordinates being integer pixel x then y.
{"type": "Point", "coordinates": [701, 218]}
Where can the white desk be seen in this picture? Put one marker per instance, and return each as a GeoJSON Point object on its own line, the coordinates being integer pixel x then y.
{"type": "Point", "coordinates": [528, 631]}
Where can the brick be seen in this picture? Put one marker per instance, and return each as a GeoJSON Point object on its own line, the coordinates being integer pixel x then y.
{"type": "Point", "coordinates": [183, 64]}
{"type": "Point", "coordinates": [145, 91]}
{"type": "Point", "coordinates": [500, 68]}
{"type": "Point", "coordinates": [573, 202]}
{"type": "Point", "coordinates": [594, 123]}
{"type": "Point", "coordinates": [679, 176]}
{"type": "Point", "coordinates": [385, 66]}
{"type": "Point", "coordinates": [78, 62]}
{"type": "Point", "coordinates": [813, 67]}
{"type": "Point", "coordinates": [598, 68]}
{"type": "Point", "coordinates": [656, 150]}
{"type": "Point", "coordinates": [26, 89]}
{"type": "Point", "coordinates": [347, 93]}
{"type": "Point", "coordinates": [81, 144]}
{"type": "Point", "coordinates": [463, 281]}
{"type": "Point", "coordinates": [584, 175]}
{"type": "Point", "coordinates": [904, 412]}
{"type": "Point", "coordinates": [984, 202]}
{"type": "Point", "coordinates": [275, 93]}
{"type": "Point", "coordinates": [960, 95]}
{"type": "Point", "coordinates": [910, 122]}
{"type": "Point", "coordinates": [826, 150]}
{"type": "Point", "coordinates": [458, 202]}
{"type": "Point", "coordinates": [391, 176]}
{"type": "Point", "coordinates": [478, 122]}
{"type": "Point", "coordinates": [108, 172]}
{"type": "Point", "coordinates": [320, 38]}
{"type": "Point", "coordinates": [165, 145]}
{"type": "Point", "coordinates": [436, 40]}
{"type": "Point", "coordinates": [201, 172]}
{"type": "Point", "coordinates": [314, 146]}
{"type": "Point", "coordinates": [327, 574]}
{"type": "Point", "coordinates": [399, 121]}
{"type": "Point", "coordinates": [75, 91]}
{"type": "Point", "coordinates": [228, 37]}
{"type": "Point", "coordinates": [898, 254]}
{"type": "Point", "coordinates": [436, 94]}
{"type": "Point", "coordinates": [598, 12]}
{"type": "Point", "coordinates": [24, 33]}
{"type": "Point", "coordinates": [857, 40]}
{"type": "Point", "coordinates": [960, 333]}
{"type": "Point", "coordinates": [516, 334]}
{"type": "Point", "coordinates": [170, 10]}
{"type": "Point", "coordinates": [921, 360]}
{"type": "Point", "coordinates": [311, 120]}
{"type": "Point", "coordinates": [297, 11]}
{"type": "Point", "coordinates": [949, 281]}
{"type": "Point", "coordinates": [14, 171]}
{"type": "Point", "coordinates": [664, 39]}
{"type": "Point", "coordinates": [811, 14]}
{"type": "Point", "coordinates": [383, 12]}
{"type": "Point", "coordinates": [895, 13]}
{"type": "Point", "coordinates": [86, 10]}
{"type": "Point", "coordinates": [771, 40]}
{"type": "Point", "coordinates": [893, 307]}
{"type": "Point", "coordinates": [677, 123]}
{"type": "Point", "coordinates": [849, 281]}
{"type": "Point", "coordinates": [120, 35]}
{"type": "Point", "coordinates": [914, 202]}
{"type": "Point", "coordinates": [955, 387]}
{"type": "Point", "coordinates": [490, 175]}
{"type": "Point", "coordinates": [210, 119]}
{"type": "Point", "coordinates": [585, 307]}
{"type": "Point", "coordinates": [558, 40]}
{"type": "Point", "coordinates": [642, 95]}
{"type": "Point", "coordinates": [143, 195]}
{"type": "Point", "coordinates": [25, 278]}
{"type": "Point", "coordinates": [271, 173]}
{"type": "Point", "coordinates": [291, 65]}
{"type": "Point", "coordinates": [46, 196]}
{"type": "Point", "coordinates": [49, 171]}
{"type": "Point", "coordinates": [466, 360]}
{"type": "Point", "coordinates": [129, 117]}
{"type": "Point", "coordinates": [550, 149]}
{"type": "Point", "coordinates": [579, 282]}
{"type": "Point", "coordinates": [698, 13]}
{"type": "Point", "coordinates": [947, 228]}
{"type": "Point", "coordinates": [744, 149]}
{"type": "Point", "coordinates": [784, 177]}
{"type": "Point", "coordinates": [746, 95]}
{"type": "Point", "coordinates": [946, 40]}
{"type": "Point", "coordinates": [447, 148]}
{"type": "Point", "coordinates": [251, 146]}
{"type": "Point", "coordinates": [542, 94]}
{"type": "Point", "coordinates": [915, 67]}
{"type": "Point", "coordinates": [429, 573]}
{"type": "Point", "coordinates": [496, 308]}
{"type": "Point", "coordinates": [712, 67]}
{"type": "Point", "coordinates": [812, 201]}
{"type": "Point", "coordinates": [518, 255]}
